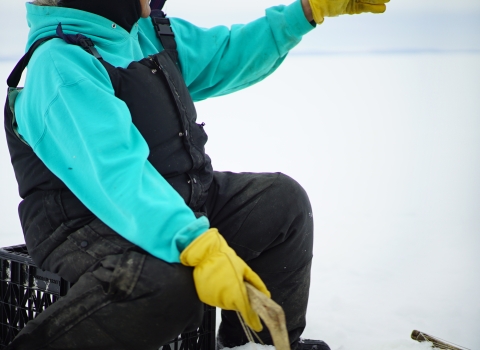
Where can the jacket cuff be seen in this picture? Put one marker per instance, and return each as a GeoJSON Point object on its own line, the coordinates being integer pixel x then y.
{"type": "Point", "coordinates": [296, 17]}
{"type": "Point", "coordinates": [288, 25]}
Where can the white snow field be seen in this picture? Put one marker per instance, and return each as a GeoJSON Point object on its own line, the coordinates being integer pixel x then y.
{"type": "Point", "coordinates": [379, 120]}
{"type": "Point", "coordinates": [388, 148]}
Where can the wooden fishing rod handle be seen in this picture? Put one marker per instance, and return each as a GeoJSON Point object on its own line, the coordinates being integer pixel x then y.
{"type": "Point", "coordinates": [437, 343]}
{"type": "Point", "coordinates": [272, 315]}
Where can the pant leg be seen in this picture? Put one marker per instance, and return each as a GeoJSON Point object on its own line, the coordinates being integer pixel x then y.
{"type": "Point", "coordinates": [267, 219]}
{"type": "Point", "coordinates": [127, 300]}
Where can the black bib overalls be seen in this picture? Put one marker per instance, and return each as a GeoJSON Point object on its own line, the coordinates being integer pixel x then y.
{"type": "Point", "coordinates": [124, 298]}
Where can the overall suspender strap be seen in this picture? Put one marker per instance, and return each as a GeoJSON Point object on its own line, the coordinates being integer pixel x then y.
{"type": "Point", "coordinates": [165, 33]}
{"type": "Point", "coordinates": [80, 40]}
{"type": "Point", "coordinates": [16, 74]}
{"type": "Point", "coordinates": [87, 45]}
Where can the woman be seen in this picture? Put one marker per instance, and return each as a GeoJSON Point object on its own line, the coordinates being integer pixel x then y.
{"type": "Point", "coordinates": [119, 196]}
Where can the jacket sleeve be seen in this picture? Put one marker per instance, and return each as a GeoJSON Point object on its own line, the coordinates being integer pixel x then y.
{"type": "Point", "coordinates": [219, 60]}
{"type": "Point", "coordinates": [85, 136]}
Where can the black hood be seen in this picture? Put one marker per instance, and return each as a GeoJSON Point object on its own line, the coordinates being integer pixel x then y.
{"type": "Point", "coordinates": [124, 13]}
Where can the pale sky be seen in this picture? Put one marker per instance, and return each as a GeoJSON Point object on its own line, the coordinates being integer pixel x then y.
{"type": "Point", "coordinates": [407, 25]}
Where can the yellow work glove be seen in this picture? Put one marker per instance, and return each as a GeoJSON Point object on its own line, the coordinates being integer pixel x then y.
{"type": "Point", "coordinates": [219, 276]}
{"type": "Point", "coordinates": [333, 8]}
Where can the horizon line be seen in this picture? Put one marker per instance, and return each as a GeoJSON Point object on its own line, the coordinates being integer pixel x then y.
{"type": "Point", "coordinates": [404, 51]}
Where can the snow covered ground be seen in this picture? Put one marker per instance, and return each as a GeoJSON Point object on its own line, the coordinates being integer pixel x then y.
{"type": "Point", "coordinates": [388, 147]}
{"type": "Point", "coordinates": [387, 144]}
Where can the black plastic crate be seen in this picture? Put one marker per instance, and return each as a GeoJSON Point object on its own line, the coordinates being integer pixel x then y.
{"type": "Point", "coordinates": [26, 290]}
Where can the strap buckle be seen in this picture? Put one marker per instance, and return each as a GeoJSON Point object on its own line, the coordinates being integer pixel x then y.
{"type": "Point", "coordinates": [162, 26]}
{"type": "Point", "coordinates": [88, 45]}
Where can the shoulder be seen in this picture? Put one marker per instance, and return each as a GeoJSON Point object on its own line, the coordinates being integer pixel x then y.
{"type": "Point", "coordinates": [57, 63]}
{"type": "Point", "coordinates": [54, 67]}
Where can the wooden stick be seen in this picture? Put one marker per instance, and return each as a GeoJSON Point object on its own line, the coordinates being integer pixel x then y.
{"type": "Point", "coordinates": [272, 315]}
{"type": "Point", "coordinates": [437, 343]}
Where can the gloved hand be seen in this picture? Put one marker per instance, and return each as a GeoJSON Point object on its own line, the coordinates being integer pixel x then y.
{"type": "Point", "coordinates": [333, 8]}
{"type": "Point", "coordinates": [219, 276]}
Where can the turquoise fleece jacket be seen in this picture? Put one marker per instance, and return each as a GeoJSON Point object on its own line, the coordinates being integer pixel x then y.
{"type": "Point", "coordinates": [68, 113]}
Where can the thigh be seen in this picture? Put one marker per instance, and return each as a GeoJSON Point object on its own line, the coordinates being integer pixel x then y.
{"type": "Point", "coordinates": [71, 253]}
{"type": "Point", "coordinates": [265, 217]}
{"type": "Point", "coordinates": [129, 301]}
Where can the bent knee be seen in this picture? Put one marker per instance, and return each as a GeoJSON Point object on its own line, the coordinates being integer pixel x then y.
{"type": "Point", "coordinates": [293, 193]}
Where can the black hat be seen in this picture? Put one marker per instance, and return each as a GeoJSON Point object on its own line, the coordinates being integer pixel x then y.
{"type": "Point", "coordinates": [124, 13]}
